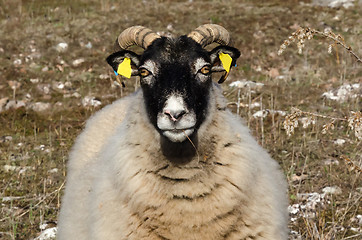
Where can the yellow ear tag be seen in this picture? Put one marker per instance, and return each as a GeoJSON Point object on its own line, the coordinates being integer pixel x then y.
{"type": "Point", "coordinates": [226, 61]}
{"type": "Point", "coordinates": [124, 68]}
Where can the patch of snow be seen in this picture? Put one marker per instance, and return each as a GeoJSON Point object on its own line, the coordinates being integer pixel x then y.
{"type": "Point", "coordinates": [294, 209]}
{"type": "Point", "coordinates": [14, 104]}
{"type": "Point", "coordinates": [90, 101]}
{"type": "Point", "coordinates": [104, 76]}
{"type": "Point", "coordinates": [334, 3]}
{"type": "Point", "coordinates": [309, 203]}
{"type": "Point", "coordinates": [278, 112]}
{"type": "Point", "coordinates": [331, 162]}
{"type": "Point", "coordinates": [43, 226]}
{"type": "Point", "coordinates": [339, 141]}
{"type": "Point", "coordinates": [359, 217]}
{"type": "Point", "coordinates": [68, 84]}
{"type": "Point", "coordinates": [341, 3]}
{"type": "Point", "coordinates": [254, 105]}
{"type": "Point", "coordinates": [3, 103]}
{"type": "Point", "coordinates": [9, 199]}
{"type": "Point", "coordinates": [260, 114]}
{"type": "Point", "coordinates": [6, 139]}
{"type": "Point", "coordinates": [62, 47]}
{"type": "Point", "coordinates": [332, 190]}
{"type": "Point", "coordinates": [336, 18]}
{"type": "Point", "coordinates": [281, 77]}
{"type": "Point", "coordinates": [40, 106]}
{"type": "Point", "coordinates": [59, 85]}
{"type": "Point", "coordinates": [249, 84]}
{"type": "Point", "coordinates": [356, 85]}
{"type": "Point", "coordinates": [78, 62]}
{"type": "Point", "coordinates": [76, 95]}
{"type": "Point", "coordinates": [88, 45]}
{"type": "Point", "coordinates": [40, 147]}
{"type": "Point", "coordinates": [43, 88]}
{"type": "Point", "coordinates": [258, 69]}
{"type": "Point", "coordinates": [295, 235]}
{"type": "Point", "coordinates": [355, 229]}
{"type": "Point", "coordinates": [47, 234]}
{"type": "Point", "coordinates": [21, 170]}
{"type": "Point", "coordinates": [170, 27]}
{"type": "Point", "coordinates": [17, 62]}
{"type": "Point", "coordinates": [344, 92]}
{"type": "Point", "coordinates": [115, 84]}
{"type": "Point", "coordinates": [264, 113]}
{"type": "Point", "coordinates": [54, 170]}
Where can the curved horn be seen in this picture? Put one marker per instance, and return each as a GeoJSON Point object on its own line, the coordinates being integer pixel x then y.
{"type": "Point", "coordinates": [136, 35]}
{"type": "Point", "coordinates": [209, 33]}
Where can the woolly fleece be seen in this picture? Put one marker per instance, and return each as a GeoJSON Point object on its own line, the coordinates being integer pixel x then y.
{"type": "Point", "coordinates": [121, 186]}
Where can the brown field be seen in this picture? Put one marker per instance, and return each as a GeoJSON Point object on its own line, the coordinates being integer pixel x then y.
{"type": "Point", "coordinates": [47, 91]}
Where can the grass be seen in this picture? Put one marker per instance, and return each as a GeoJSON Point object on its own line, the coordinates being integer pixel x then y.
{"type": "Point", "coordinates": [37, 144]}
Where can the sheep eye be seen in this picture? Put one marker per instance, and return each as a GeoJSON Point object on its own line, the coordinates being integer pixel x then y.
{"type": "Point", "coordinates": [205, 70]}
{"type": "Point", "coordinates": [144, 72]}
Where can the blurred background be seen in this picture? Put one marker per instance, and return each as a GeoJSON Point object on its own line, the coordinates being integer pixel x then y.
{"type": "Point", "coordinates": [53, 76]}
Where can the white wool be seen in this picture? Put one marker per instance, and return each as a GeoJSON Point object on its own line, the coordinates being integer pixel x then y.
{"type": "Point", "coordinates": [121, 186]}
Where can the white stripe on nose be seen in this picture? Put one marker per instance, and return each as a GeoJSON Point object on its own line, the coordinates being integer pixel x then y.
{"type": "Point", "coordinates": [174, 108]}
{"type": "Point", "coordinates": [176, 121]}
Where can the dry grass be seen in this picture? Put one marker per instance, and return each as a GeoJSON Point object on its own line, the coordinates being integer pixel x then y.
{"type": "Point", "coordinates": [34, 144]}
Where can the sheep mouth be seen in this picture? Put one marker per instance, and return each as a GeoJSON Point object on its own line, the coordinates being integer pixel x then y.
{"type": "Point", "coordinates": [178, 135]}
{"type": "Point", "coordinates": [178, 130]}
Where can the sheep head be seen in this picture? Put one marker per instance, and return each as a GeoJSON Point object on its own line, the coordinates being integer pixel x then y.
{"type": "Point", "coordinates": [176, 75]}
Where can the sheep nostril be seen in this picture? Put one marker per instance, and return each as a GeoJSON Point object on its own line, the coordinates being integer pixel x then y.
{"type": "Point", "coordinates": [175, 115]}
{"type": "Point", "coordinates": [179, 114]}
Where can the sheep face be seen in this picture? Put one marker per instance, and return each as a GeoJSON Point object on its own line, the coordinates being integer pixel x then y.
{"type": "Point", "coordinates": [176, 83]}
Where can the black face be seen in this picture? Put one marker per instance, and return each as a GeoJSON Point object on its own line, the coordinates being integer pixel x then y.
{"type": "Point", "coordinates": [176, 82]}
{"type": "Point", "coordinates": [175, 72]}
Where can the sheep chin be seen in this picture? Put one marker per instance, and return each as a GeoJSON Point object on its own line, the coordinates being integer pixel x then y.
{"type": "Point", "coordinates": [178, 135]}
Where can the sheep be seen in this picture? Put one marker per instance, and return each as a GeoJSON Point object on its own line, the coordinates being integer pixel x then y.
{"type": "Point", "coordinates": [170, 161]}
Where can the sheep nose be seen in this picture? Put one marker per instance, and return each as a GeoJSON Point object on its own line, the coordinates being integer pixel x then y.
{"type": "Point", "coordinates": [175, 115]}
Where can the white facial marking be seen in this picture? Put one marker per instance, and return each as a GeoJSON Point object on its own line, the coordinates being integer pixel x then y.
{"type": "Point", "coordinates": [176, 128]}
{"type": "Point", "coordinates": [199, 63]}
{"type": "Point", "coordinates": [150, 66]}
{"type": "Point", "coordinates": [174, 103]}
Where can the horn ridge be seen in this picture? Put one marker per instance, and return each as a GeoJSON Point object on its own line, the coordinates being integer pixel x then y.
{"type": "Point", "coordinates": [140, 36]}
{"type": "Point", "coordinates": [136, 35]}
{"type": "Point", "coordinates": [209, 33]}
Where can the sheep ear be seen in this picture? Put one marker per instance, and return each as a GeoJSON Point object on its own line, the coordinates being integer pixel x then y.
{"type": "Point", "coordinates": [222, 59]}
{"type": "Point", "coordinates": [128, 60]}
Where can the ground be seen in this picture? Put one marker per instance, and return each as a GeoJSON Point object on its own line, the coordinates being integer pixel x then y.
{"type": "Point", "coordinates": [54, 77]}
